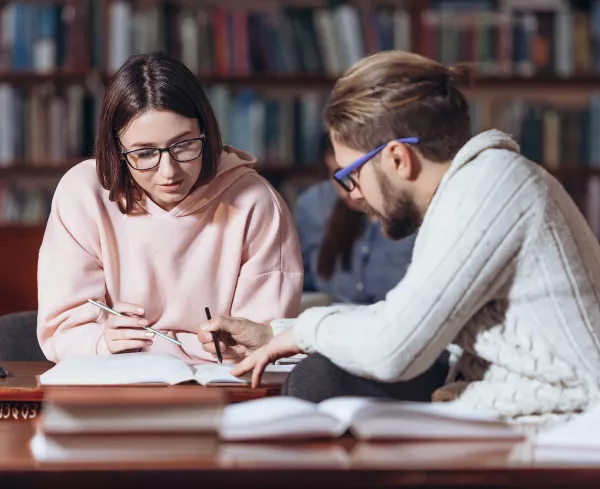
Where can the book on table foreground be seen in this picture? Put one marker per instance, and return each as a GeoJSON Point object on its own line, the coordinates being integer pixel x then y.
{"type": "Point", "coordinates": [122, 448]}
{"type": "Point", "coordinates": [123, 410]}
{"type": "Point", "coordinates": [126, 423]}
{"type": "Point", "coordinates": [364, 418]}
{"type": "Point", "coordinates": [149, 368]}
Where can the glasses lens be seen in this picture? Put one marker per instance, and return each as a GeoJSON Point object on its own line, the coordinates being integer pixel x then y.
{"type": "Point", "coordinates": [143, 159]}
{"type": "Point", "coordinates": [347, 183]}
{"type": "Point", "coordinates": [186, 150]}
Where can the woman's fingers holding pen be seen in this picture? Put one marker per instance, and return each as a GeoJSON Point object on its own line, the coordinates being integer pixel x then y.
{"type": "Point", "coordinates": [128, 308]}
{"type": "Point", "coordinates": [119, 339]}
{"type": "Point", "coordinates": [121, 346]}
{"type": "Point", "coordinates": [127, 322]}
{"type": "Point", "coordinates": [127, 332]}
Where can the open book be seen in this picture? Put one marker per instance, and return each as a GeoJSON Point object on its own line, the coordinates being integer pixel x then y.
{"type": "Point", "coordinates": [365, 418]}
{"type": "Point", "coordinates": [144, 368]}
{"type": "Point", "coordinates": [580, 432]}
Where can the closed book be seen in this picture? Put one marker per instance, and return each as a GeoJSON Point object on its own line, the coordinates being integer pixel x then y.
{"type": "Point", "coordinates": [123, 410]}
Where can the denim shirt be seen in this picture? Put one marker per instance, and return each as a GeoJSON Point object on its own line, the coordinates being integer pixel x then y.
{"type": "Point", "coordinates": [377, 263]}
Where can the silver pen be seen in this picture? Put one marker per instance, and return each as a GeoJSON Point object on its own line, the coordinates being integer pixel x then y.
{"type": "Point", "coordinates": [148, 328]}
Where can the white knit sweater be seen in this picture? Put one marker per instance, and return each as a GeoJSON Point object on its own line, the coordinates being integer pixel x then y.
{"type": "Point", "coordinates": [504, 267]}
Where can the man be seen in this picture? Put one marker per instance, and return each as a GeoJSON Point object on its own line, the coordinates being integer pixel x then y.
{"type": "Point", "coordinates": [505, 270]}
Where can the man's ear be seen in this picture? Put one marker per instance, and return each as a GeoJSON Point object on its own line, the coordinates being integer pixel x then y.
{"type": "Point", "coordinates": [398, 160]}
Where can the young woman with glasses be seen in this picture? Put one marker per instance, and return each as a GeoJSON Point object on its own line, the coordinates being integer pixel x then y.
{"type": "Point", "coordinates": [164, 222]}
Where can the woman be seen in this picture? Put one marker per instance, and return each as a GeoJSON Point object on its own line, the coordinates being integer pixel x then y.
{"type": "Point", "coordinates": [344, 252]}
{"type": "Point", "coordinates": [165, 222]}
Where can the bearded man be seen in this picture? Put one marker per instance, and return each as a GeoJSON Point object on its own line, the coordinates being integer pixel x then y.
{"type": "Point", "coordinates": [505, 272]}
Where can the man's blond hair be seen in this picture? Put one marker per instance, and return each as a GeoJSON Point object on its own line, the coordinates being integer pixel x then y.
{"type": "Point", "coordinates": [395, 94]}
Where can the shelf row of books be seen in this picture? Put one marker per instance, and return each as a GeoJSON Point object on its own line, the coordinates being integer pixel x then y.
{"type": "Point", "coordinates": [557, 136]}
{"type": "Point", "coordinates": [506, 37]}
{"type": "Point", "coordinates": [241, 41]}
{"type": "Point", "coordinates": [49, 125]}
{"type": "Point", "coordinates": [46, 125]}
{"type": "Point", "coordinates": [25, 204]}
{"type": "Point", "coordinates": [515, 37]}
{"type": "Point", "coordinates": [45, 36]}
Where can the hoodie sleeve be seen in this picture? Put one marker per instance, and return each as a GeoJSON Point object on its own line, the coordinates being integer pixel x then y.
{"type": "Point", "coordinates": [270, 281]}
{"type": "Point", "coordinates": [70, 272]}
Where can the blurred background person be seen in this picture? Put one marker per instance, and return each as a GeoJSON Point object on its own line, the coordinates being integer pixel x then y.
{"type": "Point", "coordinates": [344, 253]}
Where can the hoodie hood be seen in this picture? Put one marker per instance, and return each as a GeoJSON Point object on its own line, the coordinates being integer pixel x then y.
{"type": "Point", "coordinates": [233, 165]}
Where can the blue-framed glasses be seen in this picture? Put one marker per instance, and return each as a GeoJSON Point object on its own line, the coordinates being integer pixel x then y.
{"type": "Point", "coordinates": [344, 176]}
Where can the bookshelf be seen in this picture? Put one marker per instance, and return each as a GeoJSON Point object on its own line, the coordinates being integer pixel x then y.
{"type": "Point", "coordinates": [539, 63]}
{"type": "Point", "coordinates": [99, 34]}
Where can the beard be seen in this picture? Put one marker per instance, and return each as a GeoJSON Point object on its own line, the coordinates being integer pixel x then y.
{"type": "Point", "coordinates": [400, 216]}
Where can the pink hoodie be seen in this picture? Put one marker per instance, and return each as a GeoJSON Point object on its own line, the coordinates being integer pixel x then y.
{"type": "Point", "coordinates": [230, 245]}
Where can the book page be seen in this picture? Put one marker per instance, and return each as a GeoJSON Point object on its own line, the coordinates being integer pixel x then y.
{"type": "Point", "coordinates": [277, 418]}
{"type": "Point", "coordinates": [385, 419]}
{"type": "Point", "coordinates": [214, 373]}
{"type": "Point", "coordinates": [122, 369]}
{"type": "Point", "coordinates": [345, 408]}
{"type": "Point", "coordinates": [582, 431]}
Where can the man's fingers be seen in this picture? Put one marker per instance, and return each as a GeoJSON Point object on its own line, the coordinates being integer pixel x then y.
{"type": "Point", "coordinates": [232, 326]}
{"type": "Point", "coordinates": [128, 308]}
{"type": "Point", "coordinates": [210, 347]}
{"type": "Point", "coordinates": [246, 365]}
{"type": "Point", "coordinates": [259, 368]}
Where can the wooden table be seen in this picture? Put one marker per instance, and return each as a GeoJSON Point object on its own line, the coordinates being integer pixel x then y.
{"type": "Point", "coordinates": [343, 463]}
{"type": "Point", "coordinates": [316, 464]}
{"type": "Point", "coordinates": [21, 396]}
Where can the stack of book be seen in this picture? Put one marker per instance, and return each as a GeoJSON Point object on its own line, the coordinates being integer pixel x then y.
{"type": "Point", "coordinates": [126, 424]}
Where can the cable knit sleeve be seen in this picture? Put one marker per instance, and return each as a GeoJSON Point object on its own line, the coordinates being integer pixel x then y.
{"type": "Point", "coordinates": [467, 248]}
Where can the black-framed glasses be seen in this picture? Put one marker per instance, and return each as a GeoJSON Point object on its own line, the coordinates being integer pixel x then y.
{"type": "Point", "coordinates": [148, 158]}
{"type": "Point", "coordinates": [344, 176]}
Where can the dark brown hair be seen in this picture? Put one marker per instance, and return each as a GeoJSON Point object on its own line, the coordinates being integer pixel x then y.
{"type": "Point", "coordinates": [342, 230]}
{"type": "Point", "coordinates": [150, 81]}
{"type": "Point", "coordinates": [394, 94]}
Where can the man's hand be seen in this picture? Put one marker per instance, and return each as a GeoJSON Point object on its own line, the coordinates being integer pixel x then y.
{"type": "Point", "coordinates": [238, 337]}
{"type": "Point", "coordinates": [281, 346]}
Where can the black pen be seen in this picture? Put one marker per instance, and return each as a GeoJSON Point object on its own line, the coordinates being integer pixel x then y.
{"type": "Point", "coordinates": [214, 336]}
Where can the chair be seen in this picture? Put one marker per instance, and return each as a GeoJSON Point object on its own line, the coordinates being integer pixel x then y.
{"type": "Point", "coordinates": [18, 340]}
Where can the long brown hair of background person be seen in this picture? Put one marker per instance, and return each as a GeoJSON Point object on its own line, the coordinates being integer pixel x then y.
{"type": "Point", "coordinates": [344, 227]}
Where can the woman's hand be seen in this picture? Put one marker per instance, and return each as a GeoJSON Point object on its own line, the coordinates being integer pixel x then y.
{"type": "Point", "coordinates": [127, 333]}
{"type": "Point", "coordinates": [237, 337]}
{"type": "Point", "coordinates": [282, 346]}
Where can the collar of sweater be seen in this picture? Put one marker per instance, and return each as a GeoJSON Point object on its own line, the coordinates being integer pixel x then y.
{"type": "Point", "coordinates": [492, 139]}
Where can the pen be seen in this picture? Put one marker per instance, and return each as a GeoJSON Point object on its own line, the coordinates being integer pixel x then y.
{"type": "Point", "coordinates": [148, 328]}
{"type": "Point", "coordinates": [214, 337]}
